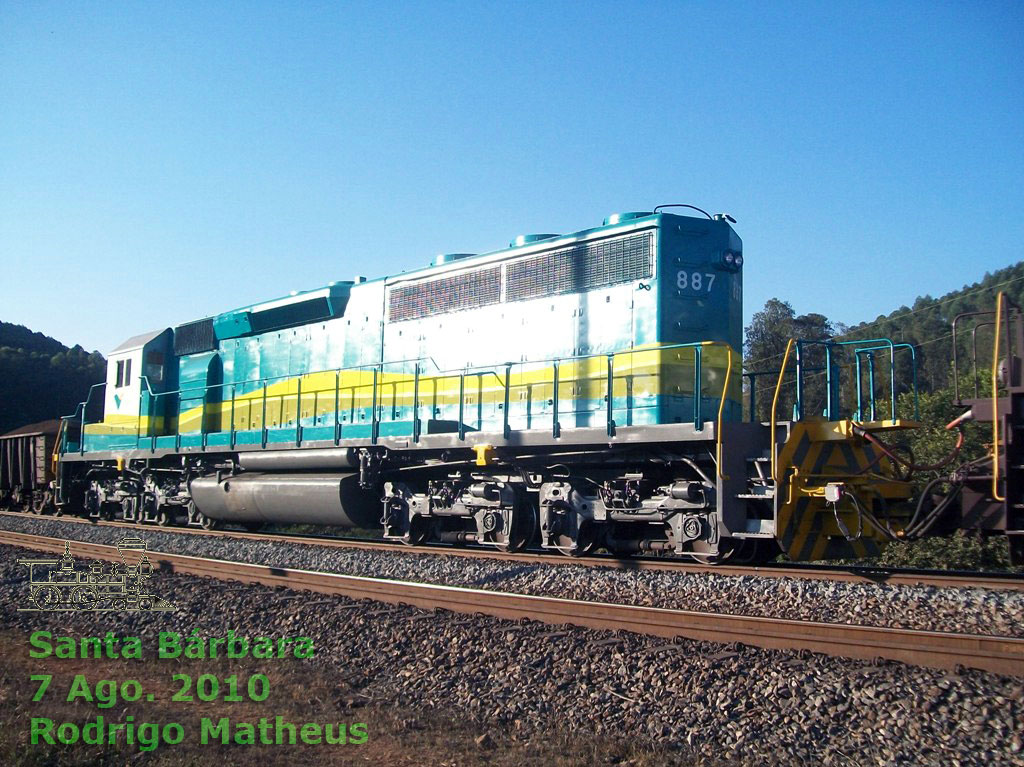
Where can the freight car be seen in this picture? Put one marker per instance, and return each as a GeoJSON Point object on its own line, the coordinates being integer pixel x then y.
{"type": "Point", "coordinates": [987, 494]}
{"type": "Point", "coordinates": [570, 391]}
{"type": "Point", "coordinates": [26, 471]}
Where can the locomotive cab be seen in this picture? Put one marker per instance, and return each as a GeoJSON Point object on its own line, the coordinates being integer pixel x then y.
{"type": "Point", "coordinates": [137, 372]}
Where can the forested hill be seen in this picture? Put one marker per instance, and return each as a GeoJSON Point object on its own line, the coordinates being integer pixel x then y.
{"type": "Point", "coordinates": [40, 378]}
{"type": "Point", "coordinates": [927, 323]}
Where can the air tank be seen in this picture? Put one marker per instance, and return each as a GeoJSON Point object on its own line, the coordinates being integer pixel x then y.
{"type": "Point", "coordinates": [274, 461]}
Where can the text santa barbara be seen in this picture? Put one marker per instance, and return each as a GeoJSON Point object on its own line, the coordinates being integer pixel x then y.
{"type": "Point", "coordinates": [170, 644]}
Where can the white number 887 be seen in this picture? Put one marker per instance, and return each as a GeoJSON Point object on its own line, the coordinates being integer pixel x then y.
{"type": "Point", "coordinates": [696, 281]}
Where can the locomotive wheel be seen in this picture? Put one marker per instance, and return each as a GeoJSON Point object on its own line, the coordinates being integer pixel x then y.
{"type": "Point", "coordinates": [735, 552]}
{"type": "Point", "coordinates": [47, 597]}
{"type": "Point", "coordinates": [587, 541]}
{"type": "Point", "coordinates": [163, 518]}
{"type": "Point", "coordinates": [524, 528]}
{"type": "Point", "coordinates": [84, 598]}
{"type": "Point", "coordinates": [419, 531]}
{"type": "Point", "coordinates": [91, 504]}
{"type": "Point", "coordinates": [749, 551]}
{"type": "Point", "coordinates": [206, 523]}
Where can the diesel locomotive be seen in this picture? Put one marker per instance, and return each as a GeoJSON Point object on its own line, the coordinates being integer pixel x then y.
{"type": "Point", "coordinates": [569, 392]}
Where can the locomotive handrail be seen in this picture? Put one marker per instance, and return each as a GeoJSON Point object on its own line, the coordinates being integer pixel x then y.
{"type": "Point", "coordinates": [697, 346]}
{"type": "Point", "coordinates": [1013, 313]}
{"type": "Point", "coordinates": [84, 407]}
{"type": "Point", "coordinates": [262, 383]}
{"type": "Point", "coordinates": [775, 404]}
{"type": "Point", "coordinates": [446, 373]}
{"type": "Point", "coordinates": [505, 384]}
{"type": "Point", "coordinates": [828, 344]}
{"type": "Point", "coordinates": [880, 343]}
{"type": "Point", "coordinates": [55, 454]}
{"type": "Point", "coordinates": [974, 360]}
{"type": "Point", "coordinates": [721, 406]}
{"type": "Point", "coordinates": [753, 375]}
{"type": "Point", "coordinates": [974, 345]}
{"type": "Point", "coordinates": [868, 352]}
{"type": "Point", "coordinates": [1000, 300]}
{"type": "Point", "coordinates": [831, 403]}
{"type": "Point", "coordinates": [61, 443]}
{"type": "Point", "coordinates": [204, 392]}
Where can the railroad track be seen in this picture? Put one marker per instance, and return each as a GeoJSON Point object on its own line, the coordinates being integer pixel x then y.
{"type": "Point", "coordinates": [890, 576]}
{"type": "Point", "coordinates": [1003, 655]}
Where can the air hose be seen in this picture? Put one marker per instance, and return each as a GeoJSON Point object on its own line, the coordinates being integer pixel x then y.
{"type": "Point", "coordinates": [919, 525]}
{"type": "Point", "coordinates": [860, 431]}
{"type": "Point", "coordinates": [863, 511]}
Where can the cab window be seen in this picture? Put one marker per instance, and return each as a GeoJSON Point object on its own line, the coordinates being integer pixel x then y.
{"type": "Point", "coordinates": [123, 377]}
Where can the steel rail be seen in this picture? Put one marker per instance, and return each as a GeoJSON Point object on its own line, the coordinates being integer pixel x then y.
{"type": "Point", "coordinates": [852, 574]}
{"type": "Point", "coordinates": [1004, 655]}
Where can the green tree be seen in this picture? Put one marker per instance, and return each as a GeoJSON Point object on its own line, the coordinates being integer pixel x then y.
{"type": "Point", "coordinates": [766, 340]}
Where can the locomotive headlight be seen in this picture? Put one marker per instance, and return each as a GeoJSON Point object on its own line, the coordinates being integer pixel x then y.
{"type": "Point", "coordinates": [739, 260]}
{"type": "Point", "coordinates": [729, 258]}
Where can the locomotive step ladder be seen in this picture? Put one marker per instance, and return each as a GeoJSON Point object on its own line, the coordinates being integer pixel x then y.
{"type": "Point", "coordinates": [759, 498]}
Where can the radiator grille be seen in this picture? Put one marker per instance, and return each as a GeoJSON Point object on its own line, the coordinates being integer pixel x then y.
{"type": "Point", "coordinates": [468, 290]}
{"type": "Point", "coordinates": [575, 269]}
{"type": "Point", "coordinates": [194, 337]}
{"type": "Point", "coordinates": [582, 267]}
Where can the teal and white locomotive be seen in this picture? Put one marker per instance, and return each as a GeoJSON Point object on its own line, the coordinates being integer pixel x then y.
{"type": "Point", "coordinates": [568, 391]}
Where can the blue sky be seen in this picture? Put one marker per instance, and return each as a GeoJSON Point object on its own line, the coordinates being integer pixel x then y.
{"type": "Point", "coordinates": [160, 162]}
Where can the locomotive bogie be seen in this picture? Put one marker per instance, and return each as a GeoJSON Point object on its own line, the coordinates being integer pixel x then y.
{"type": "Point", "coordinates": [487, 510]}
{"type": "Point", "coordinates": [628, 515]}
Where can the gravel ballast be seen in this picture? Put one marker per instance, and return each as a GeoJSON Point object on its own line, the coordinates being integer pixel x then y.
{"type": "Point", "coordinates": [963, 610]}
{"type": "Point", "coordinates": [725, 705]}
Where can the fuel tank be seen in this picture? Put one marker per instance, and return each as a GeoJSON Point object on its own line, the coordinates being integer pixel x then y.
{"type": "Point", "coordinates": [315, 499]}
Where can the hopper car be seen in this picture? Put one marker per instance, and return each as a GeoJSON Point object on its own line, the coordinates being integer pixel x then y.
{"type": "Point", "coordinates": [26, 469]}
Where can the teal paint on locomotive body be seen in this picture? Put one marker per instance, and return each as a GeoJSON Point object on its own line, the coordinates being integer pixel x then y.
{"type": "Point", "coordinates": [691, 295]}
